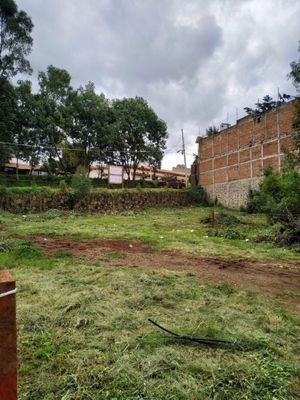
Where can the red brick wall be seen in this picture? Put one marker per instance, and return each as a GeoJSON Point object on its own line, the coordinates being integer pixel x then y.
{"type": "Point", "coordinates": [243, 150]}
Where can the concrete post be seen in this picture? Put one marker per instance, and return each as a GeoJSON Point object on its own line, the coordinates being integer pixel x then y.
{"type": "Point", "coordinates": [8, 337]}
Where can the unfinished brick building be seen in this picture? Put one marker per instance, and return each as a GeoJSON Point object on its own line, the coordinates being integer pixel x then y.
{"type": "Point", "coordinates": [231, 162]}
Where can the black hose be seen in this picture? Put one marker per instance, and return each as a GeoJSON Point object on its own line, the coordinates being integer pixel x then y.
{"type": "Point", "coordinates": [191, 338]}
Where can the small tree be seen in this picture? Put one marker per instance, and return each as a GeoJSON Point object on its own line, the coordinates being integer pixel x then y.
{"type": "Point", "coordinates": [267, 104]}
{"type": "Point", "coordinates": [81, 183]}
{"type": "Point", "coordinates": [211, 130]}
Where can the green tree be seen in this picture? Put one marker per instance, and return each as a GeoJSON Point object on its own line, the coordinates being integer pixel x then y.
{"type": "Point", "coordinates": [25, 133]}
{"type": "Point", "coordinates": [140, 135]}
{"type": "Point", "coordinates": [89, 129]}
{"type": "Point", "coordinates": [72, 156]}
{"type": "Point", "coordinates": [211, 130]}
{"type": "Point", "coordinates": [295, 76]}
{"type": "Point", "coordinates": [267, 104]}
{"type": "Point", "coordinates": [53, 113]}
{"type": "Point", "coordinates": [7, 119]}
{"type": "Point", "coordinates": [15, 40]}
{"type": "Point", "coordinates": [81, 183]}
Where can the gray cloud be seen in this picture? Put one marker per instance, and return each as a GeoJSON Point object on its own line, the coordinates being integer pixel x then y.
{"type": "Point", "coordinates": [194, 61]}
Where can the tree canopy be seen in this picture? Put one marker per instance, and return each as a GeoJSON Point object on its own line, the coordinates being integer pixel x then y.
{"type": "Point", "coordinates": [139, 135]}
{"type": "Point", "coordinates": [267, 104]}
{"type": "Point", "coordinates": [295, 76]}
{"type": "Point", "coordinates": [15, 39]}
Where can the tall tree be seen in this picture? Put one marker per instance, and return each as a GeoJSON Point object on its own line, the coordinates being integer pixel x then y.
{"type": "Point", "coordinates": [15, 40]}
{"type": "Point", "coordinates": [53, 112]}
{"type": "Point", "coordinates": [89, 129]}
{"type": "Point", "coordinates": [7, 119]}
{"type": "Point", "coordinates": [25, 133]}
{"type": "Point", "coordinates": [295, 76]}
{"type": "Point", "coordinates": [140, 135]}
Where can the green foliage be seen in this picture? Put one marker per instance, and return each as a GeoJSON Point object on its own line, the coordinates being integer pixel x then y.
{"type": "Point", "coordinates": [211, 130]}
{"type": "Point", "coordinates": [81, 183]}
{"type": "Point", "coordinates": [227, 233]}
{"type": "Point", "coordinates": [23, 190]}
{"type": "Point", "coordinates": [7, 118]}
{"type": "Point", "coordinates": [295, 76]}
{"type": "Point", "coordinates": [267, 104]}
{"type": "Point", "coordinates": [15, 40]}
{"type": "Point", "coordinates": [279, 198]}
{"type": "Point", "coordinates": [139, 134]}
{"type": "Point", "coordinates": [89, 126]}
{"type": "Point", "coordinates": [295, 72]}
{"type": "Point", "coordinates": [63, 187]}
{"type": "Point", "coordinates": [52, 114]}
{"type": "Point", "coordinates": [33, 180]}
{"type": "Point", "coordinates": [226, 219]}
{"type": "Point", "coordinates": [198, 195]}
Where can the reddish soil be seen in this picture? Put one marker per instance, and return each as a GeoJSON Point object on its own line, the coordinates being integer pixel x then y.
{"type": "Point", "coordinates": [245, 274]}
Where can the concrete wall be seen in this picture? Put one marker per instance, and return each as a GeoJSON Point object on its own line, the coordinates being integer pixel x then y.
{"type": "Point", "coordinates": [232, 161]}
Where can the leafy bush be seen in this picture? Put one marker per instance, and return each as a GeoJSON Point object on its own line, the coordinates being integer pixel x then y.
{"type": "Point", "coordinates": [279, 198]}
{"type": "Point", "coordinates": [222, 219]}
{"type": "Point", "coordinates": [25, 249]}
{"type": "Point", "coordinates": [81, 183]}
{"type": "Point", "coordinates": [227, 219]}
{"type": "Point", "coordinates": [228, 233]}
{"type": "Point", "coordinates": [198, 195]}
{"type": "Point", "coordinates": [63, 187]}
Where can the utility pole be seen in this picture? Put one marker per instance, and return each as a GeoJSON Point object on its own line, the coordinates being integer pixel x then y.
{"type": "Point", "coordinates": [184, 155]}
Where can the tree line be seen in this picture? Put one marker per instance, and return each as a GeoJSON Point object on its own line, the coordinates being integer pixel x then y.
{"type": "Point", "coordinates": [63, 127]}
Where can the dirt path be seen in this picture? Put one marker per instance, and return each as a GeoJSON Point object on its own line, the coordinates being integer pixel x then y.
{"type": "Point", "coordinates": [245, 274]}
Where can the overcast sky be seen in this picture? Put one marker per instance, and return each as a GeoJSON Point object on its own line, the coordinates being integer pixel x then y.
{"type": "Point", "coordinates": [196, 62]}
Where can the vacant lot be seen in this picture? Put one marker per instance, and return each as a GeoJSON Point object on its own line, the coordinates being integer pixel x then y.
{"type": "Point", "coordinates": [88, 284]}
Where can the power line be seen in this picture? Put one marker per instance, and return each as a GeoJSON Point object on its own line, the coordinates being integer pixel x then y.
{"type": "Point", "coordinates": [47, 147]}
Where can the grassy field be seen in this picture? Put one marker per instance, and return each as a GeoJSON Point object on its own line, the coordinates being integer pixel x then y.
{"type": "Point", "coordinates": [83, 326]}
{"type": "Point", "coordinates": [179, 229]}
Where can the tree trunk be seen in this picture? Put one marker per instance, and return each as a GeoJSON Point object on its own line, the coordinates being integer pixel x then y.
{"type": "Point", "coordinates": [134, 172]}
{"type": "Point", "coordinates": [17, 167]}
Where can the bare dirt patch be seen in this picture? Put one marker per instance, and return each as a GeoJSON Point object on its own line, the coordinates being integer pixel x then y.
{"type": "Point", "coordinates": [242, 273]}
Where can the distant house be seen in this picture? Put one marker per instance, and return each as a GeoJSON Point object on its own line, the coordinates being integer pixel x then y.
{"type": "Point", "coordinates": [96, 171]}
{"type": "Point", "coordinates": [13, 167]}
{"type": "Point", "coordinates": [148, 173]}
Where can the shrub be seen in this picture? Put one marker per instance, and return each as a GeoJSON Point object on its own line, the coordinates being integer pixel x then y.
{"type": "Point", "coordinates": [279, 198]}
{"type": "Point", "coordinates": [228, 219]}
{"type": "Point", "coordinates": [198, 195]}
{"type": "Point", "coordinates": [63, 187]}
{"type": "Point", "coordinates": [81, 183]}
{"type": "Point", "coordinates": [228, 233]}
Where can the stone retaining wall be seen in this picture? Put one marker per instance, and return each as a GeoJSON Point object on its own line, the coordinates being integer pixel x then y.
{"type": "Point", "coordinates": [100, 201]}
